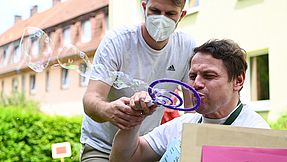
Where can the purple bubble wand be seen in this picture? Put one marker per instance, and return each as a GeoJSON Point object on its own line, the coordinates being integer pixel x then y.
{"type": "Point", "coordinates": [159, 99]}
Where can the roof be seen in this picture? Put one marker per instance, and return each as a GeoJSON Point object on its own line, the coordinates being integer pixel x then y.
{"type": "Point", "coordinates": [61, 12]}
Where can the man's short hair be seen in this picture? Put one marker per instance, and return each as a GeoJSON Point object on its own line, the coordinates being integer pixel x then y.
{"type": "Point", "coordinates": [232, 55]}
{"type": "Point", "coordinates": [178, 3]}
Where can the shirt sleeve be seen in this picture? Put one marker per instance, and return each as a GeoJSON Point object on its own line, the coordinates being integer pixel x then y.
{"type": "Point", "coordinates": [161, 136]}
{"type": "Point", "coordinates": [157, 138]}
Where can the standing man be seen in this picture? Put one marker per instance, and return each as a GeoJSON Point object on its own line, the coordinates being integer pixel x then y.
{"type": "Point", "coordinates": [145, 52]}
{"type": "Point", "coordinates": [217, 72]}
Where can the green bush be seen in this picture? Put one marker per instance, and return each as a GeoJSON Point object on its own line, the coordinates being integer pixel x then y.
{"type": "Point", "coordinates": [27, 135]}
{"type": "Point", "coordinates": [281, 123]}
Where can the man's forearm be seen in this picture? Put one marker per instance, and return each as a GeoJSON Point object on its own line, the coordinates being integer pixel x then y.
{"type": "Point", "coordinates": [126, 145]}
{"type": "Point", "coordinates": [95, 107]}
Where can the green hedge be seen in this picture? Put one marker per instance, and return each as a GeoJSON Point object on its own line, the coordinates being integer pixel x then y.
{"type": "Point", "coordinates": [27, 135]}
{"type": "Point", "coordinates": [281, 123]}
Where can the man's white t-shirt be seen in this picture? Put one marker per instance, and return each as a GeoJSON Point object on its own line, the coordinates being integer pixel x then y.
{"type": "Point", "coordinates": [126, 51]}
{"type": "Point", "coordinates": [167, 133]}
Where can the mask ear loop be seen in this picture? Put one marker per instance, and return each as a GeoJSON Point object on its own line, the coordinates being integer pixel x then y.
{"type": "Point", "coordinates": [177, 21]}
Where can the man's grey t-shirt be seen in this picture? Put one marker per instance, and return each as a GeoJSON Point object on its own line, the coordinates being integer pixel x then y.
{"type": "Point", "coordinates": [125, 51]}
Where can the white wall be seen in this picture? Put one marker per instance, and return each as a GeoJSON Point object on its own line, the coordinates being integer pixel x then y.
{"type": "Point", "coordinates": [124, 12]}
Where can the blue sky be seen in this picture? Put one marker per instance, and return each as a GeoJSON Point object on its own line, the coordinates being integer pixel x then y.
{"type": "Point", "coordinates": [9, 8]}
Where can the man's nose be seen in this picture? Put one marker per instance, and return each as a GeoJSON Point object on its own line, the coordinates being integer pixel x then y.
{"type": "Point", "coordinates": [198, 83]}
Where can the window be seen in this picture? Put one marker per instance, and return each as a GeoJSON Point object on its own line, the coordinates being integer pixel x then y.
{"type": "Point", "coordinates": [107, 21]}
{"type": "Point", "coordinates": [17, 54]}
{"type": "Point", "coordinates": [86, 34]}
{"type": "Point", "coordinates": [47, 81]}
{"type": "Point", "coordinates": [5, 56]}
{"type": "Point", "coordinates": [15, 85]}
{"type": "Point", "coordinates": [32, 84]}
{"type": "Point", "coordinates": [23, 83]}
{"type": "Point", "coordinates": [2, 87]}
{"type": "Point", "coordinates": [191, 5]}
{"type": "Point", "coordinates": [35, 48]}
{"type": "Point", "coordinates": [83, 79]}
{"type": "Point", "coordinates": [65, 78]}
{"type": "Point", "coordinates": [259, 72]}
{"type": "Point", "coordinates": [67, 36]}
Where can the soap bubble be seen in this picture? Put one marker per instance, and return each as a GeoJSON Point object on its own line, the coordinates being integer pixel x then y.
{"type": "Point", "coordinates": [37, 48]}
{"type": "Point", "coordinates": [71, 58]}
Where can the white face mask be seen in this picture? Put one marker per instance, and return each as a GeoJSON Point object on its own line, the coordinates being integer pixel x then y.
{"type": "Point", "coordinates": [159, 27]}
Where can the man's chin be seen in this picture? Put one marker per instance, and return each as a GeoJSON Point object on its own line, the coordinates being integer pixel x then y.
{"type": "Point", "coordinates": [200, 110]}
{"type": "Point", "coordinates": [203, 108]}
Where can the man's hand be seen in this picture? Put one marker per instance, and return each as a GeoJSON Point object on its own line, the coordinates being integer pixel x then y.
{"type": "Point", "coordinates": [140, 101]}
{"type": "Point", "coordinates": [122, 115]}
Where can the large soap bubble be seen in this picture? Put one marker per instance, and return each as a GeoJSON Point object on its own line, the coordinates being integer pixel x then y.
{"type": "Point", "coordinates": [71, 58]}
{"type": "Point", "coordinates": [37, 48]}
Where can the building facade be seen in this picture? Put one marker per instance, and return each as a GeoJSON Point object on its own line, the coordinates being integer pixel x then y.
{"type": "Point", "coordinates": [59, 90]}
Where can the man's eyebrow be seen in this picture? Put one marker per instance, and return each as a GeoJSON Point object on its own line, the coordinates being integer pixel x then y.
{"type": "Point", "coordinates": [156, 8]}
{"type": "Point", "coordinates": [172, 12]}
{"type": "Point", "coordinates": [153, 8]}
{"type": "Point", "coordinates": [209, 71]}
{"type": "Point", "coordinates": [203, 72]}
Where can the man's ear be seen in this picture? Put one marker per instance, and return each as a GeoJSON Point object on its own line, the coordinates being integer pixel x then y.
{"type": "Point", "coordinates": [144, 5]}
{"type": "Point", "coordinates": [183, 13]}
{"type": "Point", "coordinates": [238, 82]}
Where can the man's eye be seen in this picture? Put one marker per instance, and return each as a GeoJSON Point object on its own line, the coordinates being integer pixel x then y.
{"type": "Point", "coordinates": [209, 76]}
{"type": "Point", "coordinates": [192, 77]}
{"type": "Point", "coordinates": [155, 11]}
{"type": "Point", "coordinates": [170, 14]}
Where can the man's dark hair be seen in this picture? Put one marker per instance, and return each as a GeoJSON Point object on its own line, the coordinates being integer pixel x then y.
{"type": "Point", "coordinates": [233, 56]}
{"type": "Point", "coordinates": [178, 3]}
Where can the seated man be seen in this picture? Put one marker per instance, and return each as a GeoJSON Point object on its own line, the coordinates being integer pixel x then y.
{"type": "Point", "coordinates": [217, 72]}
